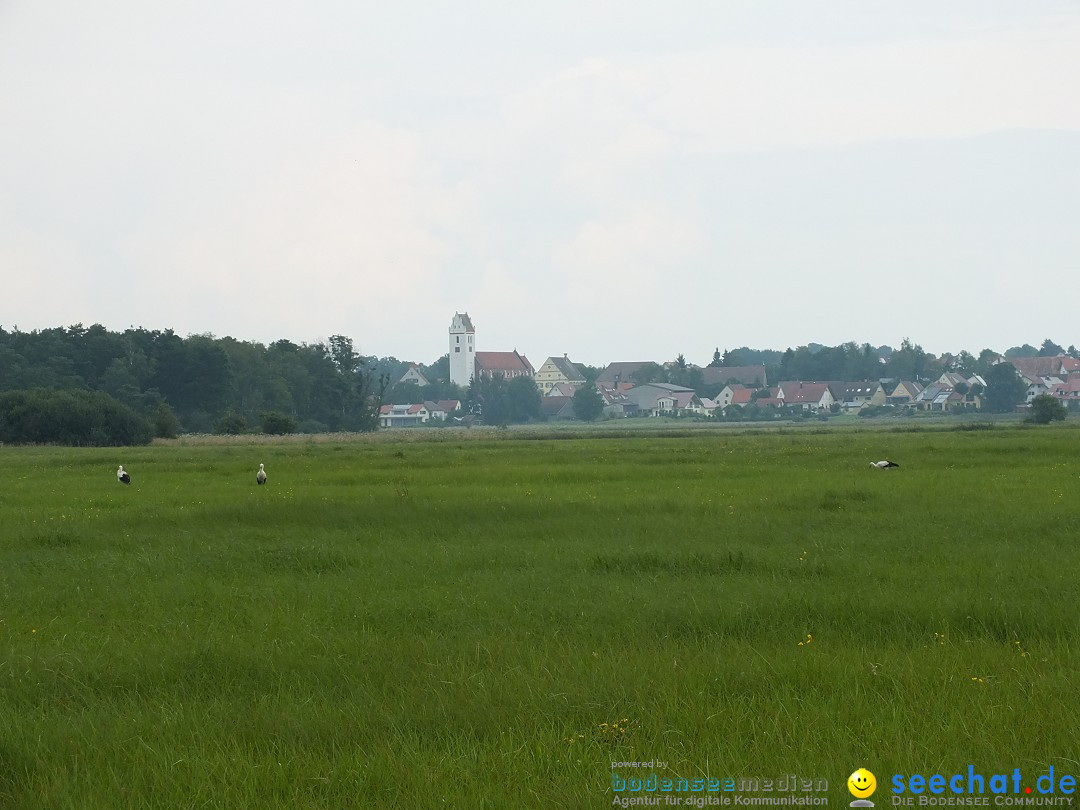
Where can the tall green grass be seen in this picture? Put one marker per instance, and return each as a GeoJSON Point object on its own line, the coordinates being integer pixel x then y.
{"type": "Point", "coordinates": [464, 623]}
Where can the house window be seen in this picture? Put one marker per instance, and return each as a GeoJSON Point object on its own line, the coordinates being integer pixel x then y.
{"type": "Point", "coordinates": [457, 349]}
{"type": "Point", "coordinates": [457, 338]}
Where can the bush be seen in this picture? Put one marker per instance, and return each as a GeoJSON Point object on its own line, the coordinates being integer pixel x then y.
{"type": "Point", "coordinates": [1046, 409]}
{"type": "Point", "coordinates": [871, 411]}
{"type": "Point", "coordinates": [164, 422]}
{"type": "Point", "coordinates": [277, 423]}
{"type": "Point", "coordinates": [69, 417]}
{"type": "Point", "coordinates": [199, 422]}
{"type": "Point", "coordinates": [231, 424]}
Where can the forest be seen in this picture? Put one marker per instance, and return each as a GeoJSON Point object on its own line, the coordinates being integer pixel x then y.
{"type": "Point", "coordinates": [148, 383]}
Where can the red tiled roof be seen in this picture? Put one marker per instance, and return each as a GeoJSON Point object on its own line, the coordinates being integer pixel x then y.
{"type": "Point", "coordinates": [503, 361]}
{"type": "Point", "coordinates": [795, 392]}
{"type": "Point", "coordinates": [741, 395]}
{"type": "Point", "coordinates": [1070, 387]}
{"type": "Point", "coordinates": [1032, 367]}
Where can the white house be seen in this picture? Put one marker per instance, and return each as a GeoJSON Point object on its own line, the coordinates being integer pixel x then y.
{"type": "Point", "coordinates": [403, 415]}
{"type": "Point", "coordinates": [664, 399]}
{"type": "Point", "coordinates": [806, 395]}
{"type": "Point", "coordinates": [414, 375]}
{"type": "Point", "coordinates": [416, 413]}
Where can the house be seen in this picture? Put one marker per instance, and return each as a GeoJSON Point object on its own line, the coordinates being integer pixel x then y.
{"type": "Point", "coordinates": [933, 398]}
{"type": "Point", "coordinates": [414, 375]}
{"type": "Point", "coordinates": [806, 395]}
{"type": "Point", "coordinates": [617, 402]}
{"type": "Point", "coordinates": [904, 393]}
{"type": "Point", "coordinates": [403, 415]}
{"type": "Point", "coordinates": [744, 395]}
{"type": "Point", "coordinates": [938, 397]}
{"type": "Point", "coordinates": [557, 407]}
{"type": "Point", "coordinates": [954, 379]}
{"type": "Point", "coordinates": [1032, 367]}
{"type": "Point", "coordinates": [858, 395]}
{"type": "Point", "coordinates": [744, 398]}
{"type": "Point", "coordinates": [1040, 385]}
{"type": "Point", "coordinates": [561, 389]}
{"type": "Point", "coordinates": [557, 370]}
{"type": "Point", "coordinates": [416, 413]}
{"type": "Point", "coordinates": [1068, 392]}
{"type": "Point", "coordinates": [709, 406]}
{"type": "Point", "coordinates": [664, 399]}
{"type": "Point", "coordinates": [733, 394]}
{"type": "Point", "coordinates": [951, 379]}
{"type": "Point", "coordinates": [443, 408]}
{"type": "Point", "coordinates": [621, 373]}
{"type": "Point", "coordinates": [773, 400]}
{"type": "Point", "coordinates": [753, 376]}
{"type": "Point", "coordinates": [509, 364]}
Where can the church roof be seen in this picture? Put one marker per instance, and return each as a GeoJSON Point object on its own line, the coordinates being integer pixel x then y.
{"type": "Point", "coordinates": [503, 361]}
{"type": "Point", "coordinates": [466, 321]}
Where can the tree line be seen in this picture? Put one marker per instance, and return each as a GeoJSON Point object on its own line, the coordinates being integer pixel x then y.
{"type": "Point", "coordinates": [148, 383]}
{"type": "Point", "coordinates": [848, 362]}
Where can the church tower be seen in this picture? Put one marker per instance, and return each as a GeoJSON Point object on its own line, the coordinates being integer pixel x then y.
{"type": "Point", "coordinates": [462, 350]}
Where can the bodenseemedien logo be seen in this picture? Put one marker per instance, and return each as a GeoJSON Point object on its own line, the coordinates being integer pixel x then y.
{"type": "Point", "coordinates": [862, 785]}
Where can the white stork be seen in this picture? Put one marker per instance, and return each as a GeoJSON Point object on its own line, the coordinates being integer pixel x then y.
{"type": "Point", "coordinates": [122, 476]}
{"type": "Point", "coordinates": [884, 464]}
{"type": "Point", "coordinates": [260, 476]}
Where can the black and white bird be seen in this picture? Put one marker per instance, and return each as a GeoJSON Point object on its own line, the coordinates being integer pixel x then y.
{"type": "Point", "coordinates": [884, 464]}
{"type": "Point", "coordinates": [260, 476]}
{"type": "Point", "coordinates": [122, 476]}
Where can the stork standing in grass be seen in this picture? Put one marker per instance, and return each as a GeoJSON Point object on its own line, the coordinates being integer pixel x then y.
{"type": "Point", "coordinates": [122, 476]}
{"type": "Point", "coordinates": [884, 464]}
{"type": "Point", "coordinates": [260, 476]}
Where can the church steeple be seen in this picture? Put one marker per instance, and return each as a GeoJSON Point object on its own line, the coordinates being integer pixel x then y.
{"type": "Point", "coordinates": [462, 350]}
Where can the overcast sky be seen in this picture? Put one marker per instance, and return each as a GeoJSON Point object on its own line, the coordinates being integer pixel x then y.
{"type": "Point", "coordinates": [609, 179]}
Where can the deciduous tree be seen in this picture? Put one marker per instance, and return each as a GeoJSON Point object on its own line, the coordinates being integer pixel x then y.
{"type": "Point", "coordinates": [588, 403]}
{"type": "Point", "coordinates": [1046, 409]}
{"type": "Point", "coordinates": [1004, 388]}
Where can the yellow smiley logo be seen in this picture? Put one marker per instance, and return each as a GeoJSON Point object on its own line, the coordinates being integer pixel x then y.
{"type": "Point", "coordinates": [862, 784]}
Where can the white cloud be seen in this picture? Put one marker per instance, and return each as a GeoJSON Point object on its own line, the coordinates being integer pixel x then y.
{"type": "Point", "coordinates": [760, 98]}
{"type": "Point", "coordinates": [346, 241]}
{"type": "Point", "coordinates": [42, 273]}
{"type": "Point", "coordinates": [640, 252]}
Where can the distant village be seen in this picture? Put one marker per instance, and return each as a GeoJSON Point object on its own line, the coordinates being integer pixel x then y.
{"type": "Point", "coordinates": [740, 388]}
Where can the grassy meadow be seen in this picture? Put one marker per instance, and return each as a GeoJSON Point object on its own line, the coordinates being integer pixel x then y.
{"type": "Point", "coordinates": [493, 622]}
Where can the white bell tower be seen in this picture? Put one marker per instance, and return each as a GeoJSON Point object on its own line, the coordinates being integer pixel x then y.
{"type": "Point", "coordinates": [462, 350]}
